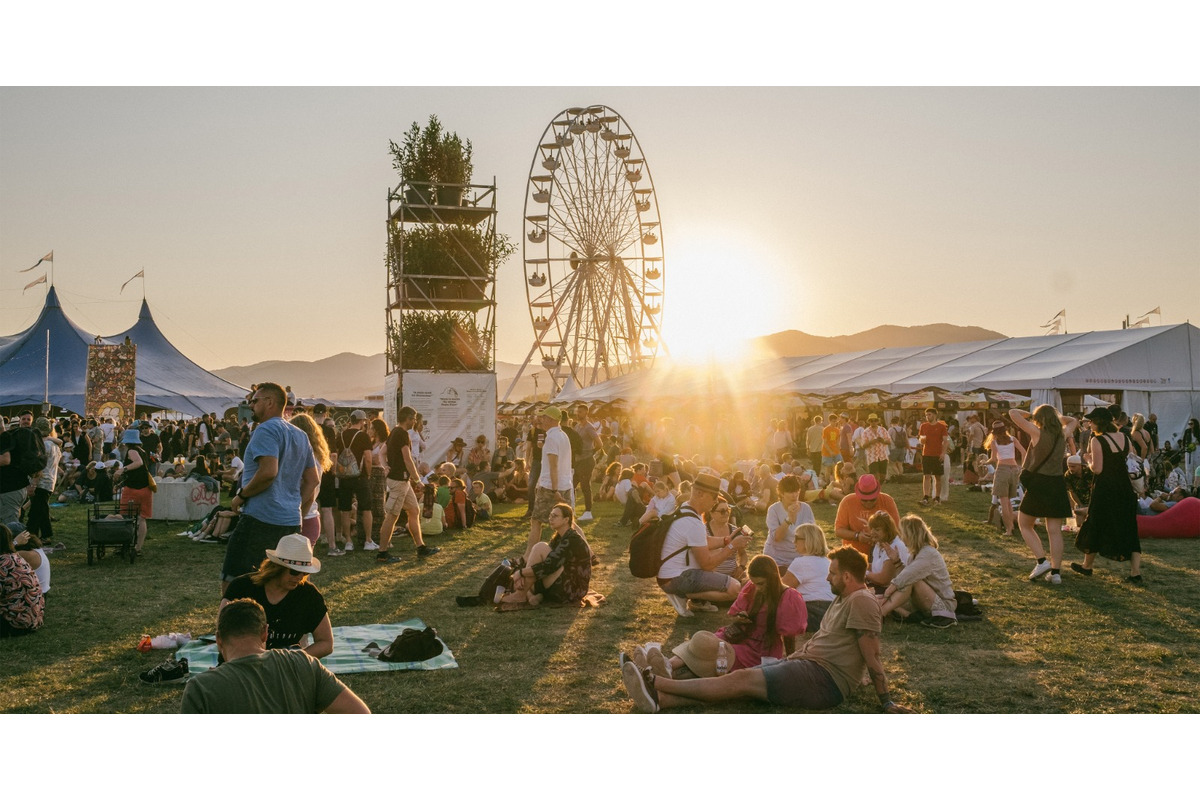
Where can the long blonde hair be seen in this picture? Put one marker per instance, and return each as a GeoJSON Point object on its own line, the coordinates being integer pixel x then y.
{"type": "Point", "coordinates": [315, 437]}
{"type": "Point", "coordinates": [916, 534]}
{"type": "Point", "coordinates": [813, 539]}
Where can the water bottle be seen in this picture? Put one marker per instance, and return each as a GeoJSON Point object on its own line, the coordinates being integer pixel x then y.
{"type": "Point", "coordinates": [722, 657]}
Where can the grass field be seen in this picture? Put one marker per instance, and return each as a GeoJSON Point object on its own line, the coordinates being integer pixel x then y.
{"type": "Point", "coordinates": [1090, 645]}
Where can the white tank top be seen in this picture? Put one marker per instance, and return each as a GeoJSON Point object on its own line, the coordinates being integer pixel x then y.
{"type": "Point", "coordinates": [1006, 452]}
{"type": "Point", "coordinates": [43, 571]}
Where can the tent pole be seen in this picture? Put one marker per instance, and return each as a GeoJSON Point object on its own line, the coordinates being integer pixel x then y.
{"type": "Point", "coordinates": [46, 396]}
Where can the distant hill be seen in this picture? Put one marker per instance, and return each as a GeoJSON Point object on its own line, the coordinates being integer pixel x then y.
{"type": "Point", "coordinates": [349, 377]}
{"type": "Point", "coordinates": [797, 343]}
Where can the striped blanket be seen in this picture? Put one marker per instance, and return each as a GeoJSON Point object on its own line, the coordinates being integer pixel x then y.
{"type": "Point", "coordinates": [351, 650]}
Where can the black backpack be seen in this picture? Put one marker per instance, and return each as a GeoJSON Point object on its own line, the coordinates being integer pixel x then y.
{"type": "Point", "coordinates": [413, 645]}
{"type": "Point", "coordinates": [31, 451]}
{"type": "Point", "coordinates": [645, 546]}
{"type": "Point", "coordinates": [500, 576]}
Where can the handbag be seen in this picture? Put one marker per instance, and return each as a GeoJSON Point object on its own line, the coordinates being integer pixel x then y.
{"type": "Point", "coordinates": [153, 484]}
{"type": "Point", "coordinates": [1030, 477]}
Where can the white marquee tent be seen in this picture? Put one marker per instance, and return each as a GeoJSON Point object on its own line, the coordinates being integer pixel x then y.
{"type": "Point", "coordinates": [1153, 370]}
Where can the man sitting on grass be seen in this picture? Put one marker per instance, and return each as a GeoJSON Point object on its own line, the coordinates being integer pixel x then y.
{"type": "Point", "coordinates": [821, 674]}
{"type": "Point", "coordinates": [255, 680]}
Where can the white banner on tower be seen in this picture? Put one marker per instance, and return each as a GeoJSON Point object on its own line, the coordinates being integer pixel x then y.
{"type": "Point", "coordinates": [453, 404]}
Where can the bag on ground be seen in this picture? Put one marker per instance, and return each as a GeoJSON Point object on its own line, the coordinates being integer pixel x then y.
{"type": "Point", "coordinates": [412, 645]}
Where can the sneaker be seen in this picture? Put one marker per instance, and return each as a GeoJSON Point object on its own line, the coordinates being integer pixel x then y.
{"type": "Point", "coordinates": [1137, 579]}
{"type": "Point", "coordinates": [370, 546]}
{"type": "Point", "coordinates": [337, 551]}
{"type": "Point", "coordinates": [701, 605]}
{"type": "Point", "coordinates": [641, 657]}
{"type": "Point", "coordinates": [659, 664]}
{"type": "Point", "coordinates": [586, 517]}
{"type": "Point", "coordinates": [924, 501]}
{"type": "Point", "coordinates": [680, 604]}
{"type": "Point", "coordinates": [939, 622]}
{"type": "Point", "coordinates": [1054, 578]}
{"type": "Point", "coordinates": [623, 658]}
{"type": "Point", "coordinates": [169, 671]}
{"type": "Point", "coordinates": [425, 550]}
{"type": "Point", "coordinates": [382, 557]}
{"type": "Point", "coordinates": [348, 547]}
{"type": "Point", "coordinates": [641, 692]}
{"type": "Point", "coordinates": [1082, 570]}
{"type": "Point", "coordinates": [1040, 570]}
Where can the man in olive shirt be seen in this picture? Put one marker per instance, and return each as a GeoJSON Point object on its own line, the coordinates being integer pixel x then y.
{"type": "Point", "coordinates": [255, 680]}
{"type": "Point", "coordinates": [821, 674]}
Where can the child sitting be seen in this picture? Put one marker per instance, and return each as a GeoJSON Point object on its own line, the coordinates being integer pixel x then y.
{"type": "Point", "coordinates": [483, 503]}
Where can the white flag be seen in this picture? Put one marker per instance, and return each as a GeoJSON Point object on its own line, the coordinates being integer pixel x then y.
{"type": "Point", "coordinates": [29, 286]}
{"type": "Point", "coordinates": [48, 257]}
{"type": "Point", "coordinates": [141, 274]}
{"type": "Point", "coordinates": [1059, 315]}
{"type": "Point", "coordinates": [1157, 310]}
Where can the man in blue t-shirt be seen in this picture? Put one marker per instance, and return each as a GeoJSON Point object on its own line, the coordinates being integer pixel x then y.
{"type": "Point", "coordinates": [279, 478]}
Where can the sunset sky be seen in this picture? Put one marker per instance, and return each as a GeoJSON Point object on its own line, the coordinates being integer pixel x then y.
{"type": "Point", "coordinates": [258, 214]}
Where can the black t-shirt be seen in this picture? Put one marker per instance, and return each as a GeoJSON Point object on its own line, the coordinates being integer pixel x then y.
{"type": "Point", "coordinates": [83, 449]}
{"type": "Point", "coordinates": [16, 441]}
{"type": "Point", "coordinates": [299, 612]}
{"type": "Point", "coordinates": [536, 438]}
{"type": "Point", "coordinates": [150, 443]}
{"type": "Point", "coordinates": [396, 442]}
{"type": "Point", "coordinates": [136, 478]}
{"type": "Point", "coordinates": [576, 442]}
{"type": "Point", "coordinates": [358, 442]}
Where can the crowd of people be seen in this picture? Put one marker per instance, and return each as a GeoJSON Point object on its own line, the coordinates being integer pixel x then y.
{"type": "Point", "coordinates": [806, 613]}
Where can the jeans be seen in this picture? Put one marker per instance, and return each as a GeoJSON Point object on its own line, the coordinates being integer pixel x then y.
{"type": "Point", "coordinates": [248, 544]}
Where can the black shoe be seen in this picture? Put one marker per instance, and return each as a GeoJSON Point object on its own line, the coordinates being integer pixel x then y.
{"type": "Point", "coordinates": [1133, 579]}
{"type": "Point", "coordinates": [1082, 570]}
{"type": "Point", "coordinates": [425, 550]}
{"type": "Point", "coordinates": [924, 501]}
{"type": "Point", "coordinates": [383, 557]}
{"type": "Point", "coordinates": [940, 622]}
{"type": "Point", "coordinates": [170, 671]}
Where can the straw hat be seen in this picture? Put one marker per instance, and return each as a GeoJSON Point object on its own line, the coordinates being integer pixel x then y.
{"type": "Point", "coordinates": [700, 653]}
{"type": "Point", "coordinates": [295, 551]}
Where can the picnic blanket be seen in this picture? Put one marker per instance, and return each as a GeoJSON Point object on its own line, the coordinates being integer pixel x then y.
{"type": "Point", "coordinates": [350, 645]}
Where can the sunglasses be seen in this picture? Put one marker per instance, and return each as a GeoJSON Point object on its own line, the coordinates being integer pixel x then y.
{"type": "Point", "coordinates": [721, 510]}
{"type": "Point", "coordinates": [295, 573]}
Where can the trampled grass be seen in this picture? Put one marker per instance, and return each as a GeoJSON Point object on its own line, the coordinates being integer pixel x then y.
{"type": "Point", "coordinates": [1090, 645]}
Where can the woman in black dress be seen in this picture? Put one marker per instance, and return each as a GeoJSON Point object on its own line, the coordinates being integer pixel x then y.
{"type": "Point", "coordinates": [1111, 525]}
{"type": "Point", "coordinates": [1045, 487]}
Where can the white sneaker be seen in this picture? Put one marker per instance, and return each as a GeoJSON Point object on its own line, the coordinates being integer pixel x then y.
{"type": "Point", "coordinates": [1054, 578]}
{"type": "Point", "coordinates": [642, 695]}
{"type": "Point", "coordinates": [349, 548]}
{"type": "Point", "coordinates": [370, 546]}
{"type": "Point", "coordinates": [640, 657]}
{"type": "Point", "coordinates": [659, 664]}
{"type": "Point", "coordinates": [1040, 570]}
{"type": "Point", "coordinates": [702, 605]}
{"type": "Point", "coordinates": [586, 517]}
{"type": "Point", "coordinates": [680, 604]}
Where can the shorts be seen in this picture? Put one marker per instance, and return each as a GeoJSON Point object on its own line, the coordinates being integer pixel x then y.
{"type": "Point", "coordinates": [545, 499]}
{"type": "Point", "coordinates": [695, 581]}
{"type": "Point", "coordinates": [350, 488]}
{"type": "Point", "coordinates": [248, 544]}
{"type": "Point", "coordinates": [932, 465]}
{"type": "Point", "coordinates": [829, 461]}
{"type": "Point", "coordinates": [327, 496]}
{"type": "Point", "coordinates": [800, 683]}
{"type": "Point", "coordinates": [400, 495]}
{"type": "Point", "coordinates": [1004, 482]}
{"type": "Point", "coordinates": [144, 498]}
{"type": "Point", "coordinates": [310, 527]}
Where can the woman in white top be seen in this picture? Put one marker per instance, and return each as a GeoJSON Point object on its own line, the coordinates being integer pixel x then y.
{"type": "Point", "coordinates": [809, 572]}
{"type": "Point", "coordinates": [1004, 449]}
{"type": "Point", "coordinates": [29, 547]}
{"type": "Point", "coordinates": [889, 555]}
{"type": "Point", "coordinates": [783, 517]}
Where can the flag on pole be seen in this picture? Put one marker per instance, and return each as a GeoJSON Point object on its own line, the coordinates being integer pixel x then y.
{"type": "Point", "coordinates": [141, 274]}
{"type": "Point", "coordinates": [1057, 316]}
{"type": "Point", "coordinates": [29, 286]}
{"type": "Point", "coordinates": [1157, 310]}
{"type": "Point", "coordinates": [1143, 322]}
{"type": "Point", "coordinates": [48, 257]}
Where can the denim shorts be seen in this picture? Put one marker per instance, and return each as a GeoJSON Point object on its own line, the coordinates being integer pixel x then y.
{"type": "Point", "coordinates": [248, 544]}
{"type": "Point", "coordinates": [695, 581]}
{"type": "Point", "coordinates": [800, 684]}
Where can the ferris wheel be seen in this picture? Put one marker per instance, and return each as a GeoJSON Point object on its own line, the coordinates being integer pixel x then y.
{"type": "Point", "coordinates": [594, 270]}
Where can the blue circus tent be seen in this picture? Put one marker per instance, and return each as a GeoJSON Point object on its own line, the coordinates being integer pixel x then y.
{"type": "Point", "coordinates": [166, 379]}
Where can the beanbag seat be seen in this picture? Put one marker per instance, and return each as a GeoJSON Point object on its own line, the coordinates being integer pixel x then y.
{"type": "Point", "coordinates": [1180, 521]}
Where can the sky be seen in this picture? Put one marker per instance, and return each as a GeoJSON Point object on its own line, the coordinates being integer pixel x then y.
{"type": "Point", "coordinates": [258, 213]}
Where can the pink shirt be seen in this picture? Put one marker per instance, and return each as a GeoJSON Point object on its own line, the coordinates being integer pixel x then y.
{"type": "Point", "coordinates": [791, 619]}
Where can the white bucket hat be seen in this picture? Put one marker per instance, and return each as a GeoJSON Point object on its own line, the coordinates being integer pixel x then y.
{"type": "Point", "coordinates": [295, 552]}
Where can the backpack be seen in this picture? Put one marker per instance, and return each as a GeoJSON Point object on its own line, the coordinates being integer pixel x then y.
{"type": "Point", "coordinates": [32, 458]}
{"type": "Point", "coordinates": [413, 645]}
{"type": "Point", "coordinates": [645, 546]}
{"type": "Point", "coordinates": [347, 465]}
{"type": "Point", "coordinates": [899, 438]}
{"type": "Point", "coordinates": [501, 576]}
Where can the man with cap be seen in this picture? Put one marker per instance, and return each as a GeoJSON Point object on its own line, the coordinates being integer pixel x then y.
{"type": "Point", "coordinates": [554, 483]}
{"type": "Point", "coordinates": [278, 478]}
{"type": "Point", "coordinates": [856, 509]}
{"type": "Point", "coordinates": [355, 439]}
{"type": "Point", "coordinates": [688, 574]}
{"type": "Point", "coordinates": [256, 680]}
{"type": "Point", "coordinates": [820, 674]}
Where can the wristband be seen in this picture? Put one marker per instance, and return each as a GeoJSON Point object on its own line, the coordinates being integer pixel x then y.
{"type": "Point", "coordinates": [240, 495]}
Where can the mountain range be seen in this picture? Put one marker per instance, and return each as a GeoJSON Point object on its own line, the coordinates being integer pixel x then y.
{"type": "Point", "coordinates": [348, 377]}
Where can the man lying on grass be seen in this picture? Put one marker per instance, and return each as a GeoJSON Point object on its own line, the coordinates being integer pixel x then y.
{"type": "Point", "coordinates": [821, 674]}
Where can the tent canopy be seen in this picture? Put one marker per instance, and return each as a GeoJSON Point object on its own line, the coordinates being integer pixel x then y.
{"type": "Point", "coordinates": [166, 379]}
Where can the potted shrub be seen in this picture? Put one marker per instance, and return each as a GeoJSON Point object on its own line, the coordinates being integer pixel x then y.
{"type": "Point", "coordinates": [454, 169]}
